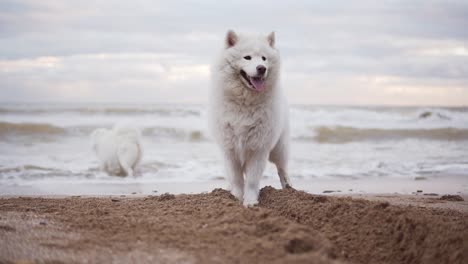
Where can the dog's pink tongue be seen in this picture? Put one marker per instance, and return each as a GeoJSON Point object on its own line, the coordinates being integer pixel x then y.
{"type": "Point", "coordinates": [257, 83]}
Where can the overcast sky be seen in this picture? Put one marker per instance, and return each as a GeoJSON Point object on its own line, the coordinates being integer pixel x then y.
{"type": "Point", "coordinates": [334, 52]}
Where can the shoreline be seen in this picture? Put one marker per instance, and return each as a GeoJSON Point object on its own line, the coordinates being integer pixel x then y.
{"type": "Point", "coordinates": [385, 185]}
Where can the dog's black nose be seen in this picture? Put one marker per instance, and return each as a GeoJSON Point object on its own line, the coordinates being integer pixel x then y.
{"type": "Point", "coordinates": [261, 69]}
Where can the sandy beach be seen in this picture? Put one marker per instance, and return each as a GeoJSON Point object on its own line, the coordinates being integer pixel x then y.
{"type": "Point", "coordinates": [288, 226]}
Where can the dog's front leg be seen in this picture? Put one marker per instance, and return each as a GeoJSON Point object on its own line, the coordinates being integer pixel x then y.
{"type": "Point", "coordinates": [234, 175]}
{"type": "Point", "coordinates": [254, 167]}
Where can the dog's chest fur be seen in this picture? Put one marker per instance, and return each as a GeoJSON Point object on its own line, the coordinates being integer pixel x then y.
{"type": "Point", "coordinates": [248, 128]}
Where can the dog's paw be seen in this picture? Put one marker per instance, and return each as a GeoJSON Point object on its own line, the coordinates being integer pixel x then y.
{"type": "Point", "coordinates": [250, 197]}
{"type": "Point", "coordinates": [250, 203]}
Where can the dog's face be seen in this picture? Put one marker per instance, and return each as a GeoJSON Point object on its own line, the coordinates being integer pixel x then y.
{"type": "Point", "coordinates": [254, 58]}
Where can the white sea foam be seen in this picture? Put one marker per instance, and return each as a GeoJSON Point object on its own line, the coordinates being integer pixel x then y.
{"type": "Point", "coordinates": [50, 142]}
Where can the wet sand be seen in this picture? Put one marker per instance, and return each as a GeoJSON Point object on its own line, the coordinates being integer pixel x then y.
{"type": "Point", "coordinates": [288, 226]}
{"type": "Point", "coordinates": [350, 186]}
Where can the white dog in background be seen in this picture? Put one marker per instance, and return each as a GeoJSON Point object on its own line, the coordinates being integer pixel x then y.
{"type": "Point", "coordinates": [119, 149]}
{"type": "Point", "coordinates": [249, 114]}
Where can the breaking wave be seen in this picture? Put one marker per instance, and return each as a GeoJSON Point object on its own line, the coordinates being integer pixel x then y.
{"type": "Point", "coordinates": [167, 111]}
{"type": "Point", "coordinates": [51, 142]}
{"type": "Point", "coordinates": [188, 123]}
{"type": "Point", "coordinates": [342, 134]}
{"type": "Point", "coordinates": [177, 133]}
{"type": "Point", "coordinates": [321, 134]}
{"type": "Point", "coordinates": [8, 130]}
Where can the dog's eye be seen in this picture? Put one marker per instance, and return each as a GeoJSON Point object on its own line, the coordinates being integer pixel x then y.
{"type": "Point", "coordinates": [263, 58]}
{"type": "Point", "coordinates": [247, 57]}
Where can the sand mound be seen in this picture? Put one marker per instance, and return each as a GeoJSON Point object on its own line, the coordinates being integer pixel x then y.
{"type": "Point", "coordinates": [288, 227]}
{"type": "Point", "coordinates": [375, 232]}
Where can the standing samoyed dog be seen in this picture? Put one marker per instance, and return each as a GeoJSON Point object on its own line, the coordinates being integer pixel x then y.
{"type": "Point", "coordinates": [119, 149]}
{"type": "Point", "coordinates": [249, 114]}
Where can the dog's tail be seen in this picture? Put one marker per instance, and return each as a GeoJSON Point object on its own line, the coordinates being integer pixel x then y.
{"type": "Point", "coordinates": [132, 136]}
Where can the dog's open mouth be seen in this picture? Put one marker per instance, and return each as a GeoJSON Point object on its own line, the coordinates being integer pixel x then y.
{"type": "Point", "coordinates": [255, 83]}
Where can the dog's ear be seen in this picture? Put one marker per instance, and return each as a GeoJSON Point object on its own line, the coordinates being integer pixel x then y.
{"type": "Point", "coordinates": [271, 39]}
{"type": "Point", "coordinates": [231, 39]}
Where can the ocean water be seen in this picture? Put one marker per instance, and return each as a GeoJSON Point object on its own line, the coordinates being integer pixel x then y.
{"type": "Point", "coordinates": [43, 143]}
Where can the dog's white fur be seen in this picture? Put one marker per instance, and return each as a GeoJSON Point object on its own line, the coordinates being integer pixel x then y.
{"type": "Point", "coordinates": [251, 126]}
{"type": "Point", "coordinates": [118, 149]}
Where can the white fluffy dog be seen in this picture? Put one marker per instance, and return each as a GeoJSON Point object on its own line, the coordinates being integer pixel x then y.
{"type": "Point", "coordinates": [249, 114]}
{"type": "Point", "coordinates": [118, 150]}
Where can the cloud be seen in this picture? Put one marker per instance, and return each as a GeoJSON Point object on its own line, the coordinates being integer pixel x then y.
{"type": "Point", "coordinates": [106, 77]}
{"type": "Point", "coordinates": [333, 51]}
